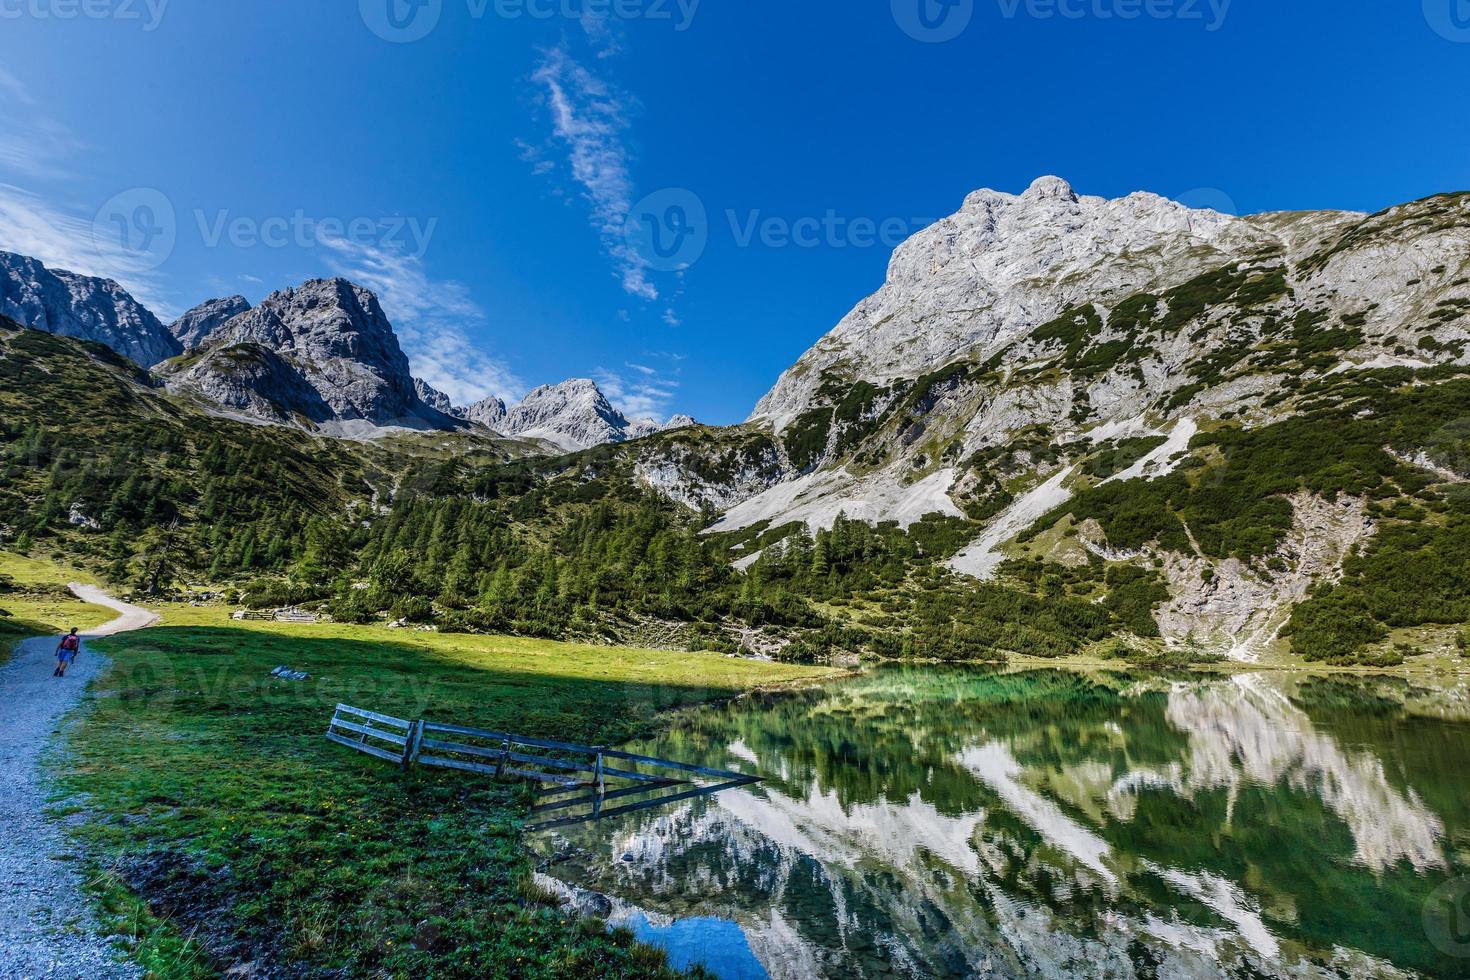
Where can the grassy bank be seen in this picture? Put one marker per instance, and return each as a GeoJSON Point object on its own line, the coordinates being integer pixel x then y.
{"type": "Point", "coordinates": [35, 601]}
{"type": "Point", "coordinates": [227, 830]}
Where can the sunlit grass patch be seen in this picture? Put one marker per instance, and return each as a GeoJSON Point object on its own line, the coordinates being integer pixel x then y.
{"type": "Point", "coordinates": [215, 797]}
{"type": "Point", "coordinates": [34, 601]}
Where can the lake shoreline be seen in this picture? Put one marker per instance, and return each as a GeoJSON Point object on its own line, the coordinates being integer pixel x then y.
{"type": "Point", "coordinates": [911, 813]}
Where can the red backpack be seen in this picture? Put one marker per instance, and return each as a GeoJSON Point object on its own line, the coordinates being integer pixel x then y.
{"type": "Point", "coordinates": [71, 643]}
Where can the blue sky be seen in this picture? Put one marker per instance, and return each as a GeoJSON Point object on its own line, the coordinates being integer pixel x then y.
{"type": "Point", "coordinates": [482, 176]}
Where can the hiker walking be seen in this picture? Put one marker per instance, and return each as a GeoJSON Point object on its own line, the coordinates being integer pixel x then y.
{"type": "Point", "coordinates": [66, 653]}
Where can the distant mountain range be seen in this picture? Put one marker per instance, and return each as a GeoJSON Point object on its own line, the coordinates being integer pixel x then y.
{"type": "Point", "coordinates": [1224, 431]}
{"type": "Point", "coordinates": [321, 356]}
{"type": "Point", "coordinates": [572, 415]}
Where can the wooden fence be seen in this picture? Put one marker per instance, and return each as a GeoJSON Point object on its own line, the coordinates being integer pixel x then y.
{"type": "Point", "coordinates": [277, 616]}
{"type": "Point", "coordinates": [557, 766]}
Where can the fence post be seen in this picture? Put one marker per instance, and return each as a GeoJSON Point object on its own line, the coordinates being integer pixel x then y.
{"type": "Point", "coordinates": [504, 758]}
{"type": "Point", "coordinates": [600, 776]}
{"type": "Point", "coordinates": [411, 743]}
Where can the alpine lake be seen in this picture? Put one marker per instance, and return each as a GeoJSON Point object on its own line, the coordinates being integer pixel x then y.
{"type": "Point", "coordinates": [926, 821]}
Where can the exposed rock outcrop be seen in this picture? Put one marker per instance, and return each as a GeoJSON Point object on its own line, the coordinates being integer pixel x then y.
{"type": "Point", "coordinates": [434, 398]}
{"type": "Point", "coordinates": [82, 307]}
{"type": "Point", "coordinates": [573, 415]}
{"type": "Point", "coordinates": [324, 343]}
{"type": "Point", "coordinates": [195, 327]}
{"type": "Point", "coordinates": [489, 412]}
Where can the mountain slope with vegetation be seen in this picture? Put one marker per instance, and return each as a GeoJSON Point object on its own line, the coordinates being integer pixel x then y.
{"type": "Point", "coordinates": [1116, 427]}
{"type": "Point", "coordinates": [1239, 407]}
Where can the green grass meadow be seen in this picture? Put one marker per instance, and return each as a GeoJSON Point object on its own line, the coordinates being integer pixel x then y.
{"type": "Point", "coordinates": [226, 829]}
{"type": "Point", "coordinates": [36, 602]}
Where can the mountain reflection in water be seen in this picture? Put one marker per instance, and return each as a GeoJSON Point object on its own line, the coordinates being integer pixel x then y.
{"type": "Point", "coordinates": [950, 822]}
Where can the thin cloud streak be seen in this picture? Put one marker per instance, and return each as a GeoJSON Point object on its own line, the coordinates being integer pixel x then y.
{"type": "Point", "coordinates": [647, 395]}
{"type": "Point", "coordinates": [430, 317]}
{"type": "Point", "coordinates": [33, 144]}
{"type": "Point", "coordinates": [65, 240]}
{"type": "Point", "coordinates": [35, 148]}
{"type": "Point", "coordinates": [589, 118]}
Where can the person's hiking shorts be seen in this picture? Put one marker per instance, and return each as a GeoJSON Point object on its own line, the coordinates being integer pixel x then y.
{"type": "Point", "coordinates": [67, 656]}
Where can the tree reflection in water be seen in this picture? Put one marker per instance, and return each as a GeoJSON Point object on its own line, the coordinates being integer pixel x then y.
{"type": "Point", "coordinates": [951, 822]}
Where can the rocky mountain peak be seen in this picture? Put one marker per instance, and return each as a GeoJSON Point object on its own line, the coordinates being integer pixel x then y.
{"type": "Point", "coordinates": [194, 328]}
{"type": "Point", "coordinates": [334, 337]}
{"type": "Point", "coordinates": [1050, 188]}
{"type": "Point", "coordinates": [82, 307]}
{"type": "Point", "coordinates": [434, 398]}
{"type": "Point", "coordinates": [1002, 266]}
{"type": "Point", "coordinates": [574, 415]}
{"type": "Point", "coordinates": [489, 412]}
{"type": "Point", "coordinates": [331, 317]}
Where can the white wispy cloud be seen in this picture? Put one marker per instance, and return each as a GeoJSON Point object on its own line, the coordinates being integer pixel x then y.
{"type": "Point", "coordinates": [64, 239]}
{"type": "Point", "coordinates": [35, 149]}
{"type": "Point", "coordinates": [590, 120]}
{"type": "Point", "coordinates": [33, 144]}
{"type": "Point", "coordinates": [646, 393]}
{"type": "Point", "coordinates": [604, 33]}
{"type": "Point", "coordinates": [431, 318]}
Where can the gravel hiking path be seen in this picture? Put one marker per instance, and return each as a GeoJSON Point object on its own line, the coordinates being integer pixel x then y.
{"type": "Point", "coordinates": [46, 925]}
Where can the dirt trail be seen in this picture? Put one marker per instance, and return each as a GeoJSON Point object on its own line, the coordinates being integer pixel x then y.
{"type": "Point", "coordinates": [46, 928]}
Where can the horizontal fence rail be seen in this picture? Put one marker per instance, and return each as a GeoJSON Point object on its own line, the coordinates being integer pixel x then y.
{"type": "Point", "coordinates": [353, 727]}
{"type": "Point", "coordinates": [560, 767]}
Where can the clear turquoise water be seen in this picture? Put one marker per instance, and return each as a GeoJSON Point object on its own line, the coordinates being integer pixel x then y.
{"type": "Point", "coordinates": [952, 822]}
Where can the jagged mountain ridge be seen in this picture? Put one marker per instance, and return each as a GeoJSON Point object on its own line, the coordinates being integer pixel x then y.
{"type": "Point", "coordinates": [433, 397]}
{"type": "Point", "coordinates": [1194, 331]}
{"type": "Point", "coordinates": [1032, 347]}
{"type": "Point", "coordinates": [321, 356]}
{"type": "Point", "coordinates": [572, 415]}
{"type": "Point", "coordinates": [1005, 264]}
{"type": "Point", "coordinates": [196, 326]}
{"type": "Point", "coordinates": [489, 412]}
{"type": "Point", "coordinates": [322, 353]}
{"type": "Point", "coordinates": [82, 307]}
